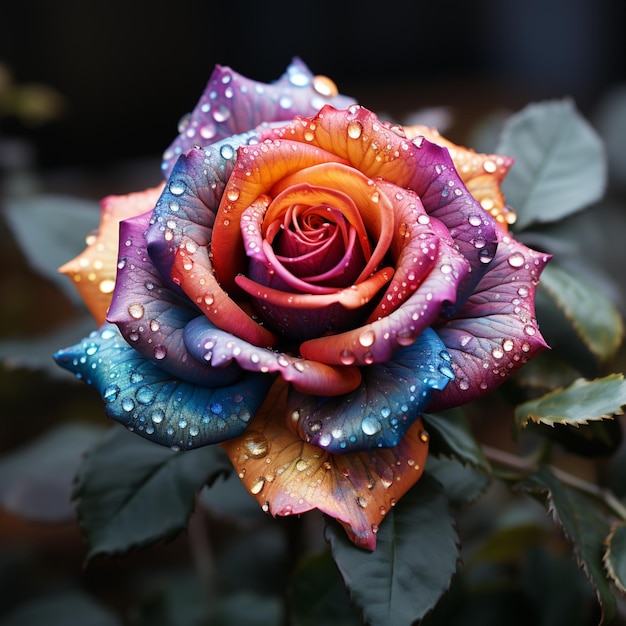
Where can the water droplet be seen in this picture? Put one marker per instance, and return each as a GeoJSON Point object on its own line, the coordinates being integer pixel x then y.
{"type": "Point", "coordinates": [367, 338]}
{"type": "Point", "coordinates": [347, 357]}
{"type": "Point", "coordinates": [446, 268]}
{"type": "Point", "coordinates": [475, 220]}
{"type": "Point", "coordinates": [110, 393]}
{"type": "Point", "coordinates": [128, 404]}
{"type": "Point", "coordinates": [157, 416]}
{"type": "Point", "coordinates": [221, 113]}
{"type": "Point", "coordinates": [370, 425]}
{"type": "Point", "coordinates": [233, 194]}
{"type": "Point", "coordinates": [424, 436]}
{"type": "Point", "coordinates": [325, 86]}
{"type": "Point", "coordinates": [160, 352]}
{"type": "Point", "coordinates": [301, 465]}
{"type": "Point", "coordinates": [497, 352]}
{"type": "Point", "coordinates": [227, 151]}
{"type": "Point", "coordinates": [144, 395]}
{"type": "Point", "coordinates": [136, 311]}
{"type": "Point", "coordinates": [193, 431]}
{"type": "Point", "coordinates": [464, 384]}
{"type": "Point", "coordinates": [177, 188]}
{"type": "Point", "coordinates": [355, 128]}
{"type": "Point", "coordinates": [405, 338]}
{"type": "Point", "coordinates": [154, 326]}
{"type": "Point", "coordinates": [446, 371]}
{"type": "Point", "coordinates": [257, 485]}
{"type": "Point", "coordinates": [522, 292]}
{"type": "Point", "coordinates": [485, 256]}
{"type": "Point", "coordinates": [256, 445]}
{"type": "Point", "coordinates": [508, 345]}
{"type": "Point", "coordinates": [529, 330]}
{"type": "Point", "coordinates": [516, 259]}
{"type": "Point", "coordinates": [325, 440]}
{"type": "Point", "coordinates": [490, 167]}
{"type": "Point", "coordinates": [106, 286]}
{"type": "Point", "coordinates": [361, 501]}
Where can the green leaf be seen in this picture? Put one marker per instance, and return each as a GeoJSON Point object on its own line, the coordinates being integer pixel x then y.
{"type": "Point", "coordinates": [583, 401]}
{"type": "Point", "coordinates": [51, 229]}
{"type": "Point", "coordinates": [132, 492]}
{"type": "Point", "coordinates": [36, 480]}
{"type": "Point", "coordinates": [415, 558]}
{"type": "Point", "coordinates": [68, 608]}
{"type": "Point", "coordinates": [594, 318]}
{"type": "Point", "coordinates": [615, 555]}
{"type": "Point", "coordinates": [318, 595]}
{"type": "Point", "coordinates": [583, 524]}
{"type": "Point", "coordinates": [462, 483]}
{"type": "Point", "coordinates": [451, 434]}
{"type": "Point", "coordinates": [560, 164]}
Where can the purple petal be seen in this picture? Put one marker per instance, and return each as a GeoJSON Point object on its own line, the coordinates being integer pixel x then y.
{"type": "Point", "coordinates": [151, 315]}
{"type": "Point", "coordinates": [445, 197]}
{"type": "Point", "coordinates": [495, 332]}
{"type": "Point", "coordinates": [208, 343]}
{"type": "Point", "coordinates": [233, 104]}
{"type": "Point", "coordinates": [157, 406]}
{"type": "Point", "coordinates": [377, 414]}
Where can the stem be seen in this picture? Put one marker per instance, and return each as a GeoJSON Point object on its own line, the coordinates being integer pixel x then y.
{"type": "Point", "coordinates": [527, 466]}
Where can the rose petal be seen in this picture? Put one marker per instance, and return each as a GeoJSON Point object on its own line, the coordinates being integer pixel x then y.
{"type": "Point", "coordinates": [288, 476]}
{"type": "Point", "coordinates": [193, 272]}
{"type": "Point", "coordinates": [390, 398]}
{"type": "Point", "coordinates": [377, 341]}
{"type": "Point", "coordinates": [211, 344]}
{"type": "Point", "coordinates": [156, 405]}
{"type": "Point", "coordinates": [482, 173]}
{"type": "Point", "coordinates": [187, 207]}
{"type": "Point", "coordinates": [379, 150]}
{"type": "Point", "coordinates": [152, 316]}
{"type": "Point", "coordinates": [233, 104]}
{"type": "Point", "coordinates": [93, 271]}
{"type": "Point", "coordinates": [495, 332]}
{"type": "Point", "coordinates": [259, 168]}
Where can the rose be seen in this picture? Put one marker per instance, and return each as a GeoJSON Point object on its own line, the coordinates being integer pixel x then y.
{"type": "Point", "coordinates": [304, 291]}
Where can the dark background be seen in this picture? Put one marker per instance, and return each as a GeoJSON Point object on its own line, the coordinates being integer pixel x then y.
{"type": "Point", "coordinates": [129, 70]}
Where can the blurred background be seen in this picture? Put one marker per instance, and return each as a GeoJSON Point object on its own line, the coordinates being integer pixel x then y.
{"type": "Point", "coordinates": [91, 94]}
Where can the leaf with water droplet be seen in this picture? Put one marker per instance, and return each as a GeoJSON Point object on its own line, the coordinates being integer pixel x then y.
{"type": "Point", "coordinates": [131, 493]}
{"type": "Point", "coordinates": [560, 164]}
{"type": "Point", "coordinates": [417, 542]}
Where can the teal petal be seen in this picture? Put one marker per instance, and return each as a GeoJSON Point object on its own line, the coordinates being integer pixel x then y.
{"type": "Point", "coordinates": [156, 405]}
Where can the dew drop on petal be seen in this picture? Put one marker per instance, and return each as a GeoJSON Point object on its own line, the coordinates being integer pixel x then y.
{"type": "Point", "coordinates": [257, 485]}
{"type": "Point", "coordinates": [367, 338]}
{"type": "Point", "coordinates": [325, 86]}
{"type": "Point", "coordinates": [157, 416]}
{"type": "Point", "coordinates": [355, 128]}
{"type": "Point", "coordinates": [370, 425]}
{"type": "Point", "coordinates": [347, 357]}
{"type": "Point", "coordinates": [177, 188]}
{"type": "Point", "coordinates": [160, 352]}
{"type": "Point", "coordinates": [256, 445]}
{"type": "Point", "coordinates": [516, 259]}
{"type": "Point", "coordinates": [136, 311]}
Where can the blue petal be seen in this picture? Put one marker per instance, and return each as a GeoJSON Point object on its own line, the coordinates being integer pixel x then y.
{"type": "Point", "coordinates": [157, 406]}
{"type": "Point", "coordinates": [377, 414]}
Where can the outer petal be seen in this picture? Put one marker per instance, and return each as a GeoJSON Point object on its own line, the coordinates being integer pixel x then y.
{"type": "Point", "coordinates": [93, 271]}
{"type": "Point", "coordinates": [233, 104]}
{"type": "Point", "coordinates": [377, 341]}
{"type": "Point", "coordinates": [482, 173]}
{"type": "Point", "coordinates": [288, 476]}
{"type": "Point", "coordinates": [152, 316]}
{"type": "Point", "coordinates": [155, 405]}
{"type": "Point", "coordinates": [377, 414]}
{"type": "Point", "coordinates": [211, 344]}
{"type": "Point", "coordinates": [495, 332]}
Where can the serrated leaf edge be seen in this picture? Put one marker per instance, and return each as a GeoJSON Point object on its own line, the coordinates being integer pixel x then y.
{"type": "Point", "coordinates": [534, 419]}
{"type": "Point", "coordinates": [606, 558]}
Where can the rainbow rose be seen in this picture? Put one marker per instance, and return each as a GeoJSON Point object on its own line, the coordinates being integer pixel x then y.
{"type": "Point", "coordinates": [306, 283]}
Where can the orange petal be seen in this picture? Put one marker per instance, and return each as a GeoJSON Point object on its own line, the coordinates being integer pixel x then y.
{"type": "Point", "coordinates": [192, 271]}
{"type": "Point", "coordinates": [482, 173]}
{"type": "Point", "coordinates": [288, 476]}
{"type": "Point", "coordinates": [258, 168]}
{"type": "Point", "coordinates": [93, 271]}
